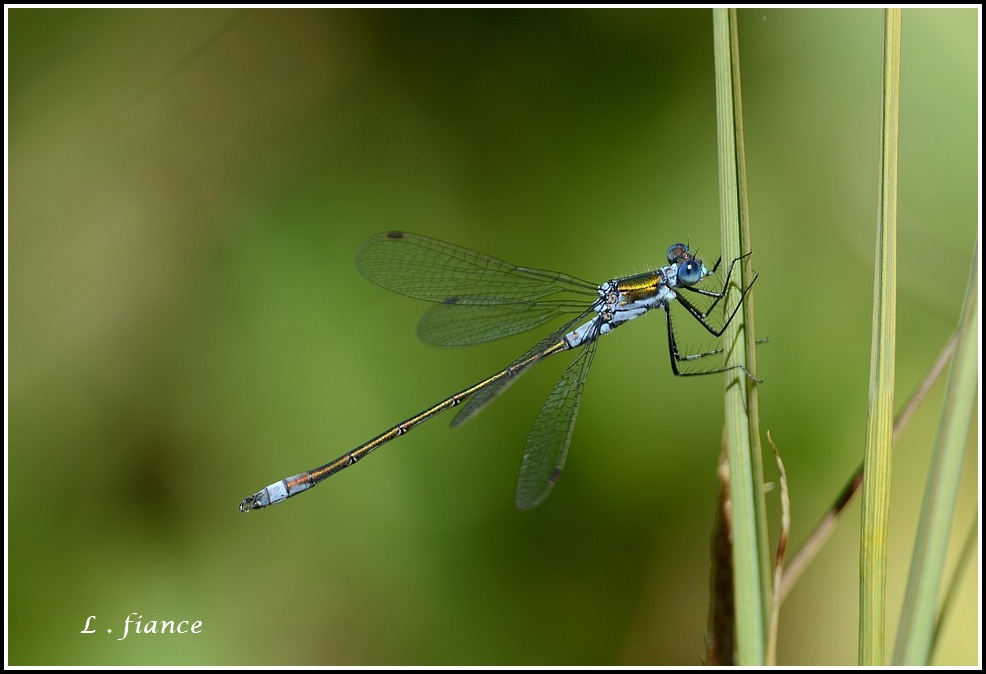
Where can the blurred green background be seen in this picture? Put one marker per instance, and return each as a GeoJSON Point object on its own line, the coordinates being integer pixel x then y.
{"type": "Point", "coordinates": [187, 192]}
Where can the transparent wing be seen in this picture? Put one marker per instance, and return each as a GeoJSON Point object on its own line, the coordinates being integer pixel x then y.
{"type": "Point", "coordinates": [453, 324]}
{"type": "Point", "coordinates": [547, 443]}
{"type": "Point", "coordinates": [436, 271]}
{"type": "Point", "coordinates": [478, 401]}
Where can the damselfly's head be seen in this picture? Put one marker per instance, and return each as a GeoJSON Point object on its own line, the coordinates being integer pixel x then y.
{"type": "Point", "coordinates": [690, 268]}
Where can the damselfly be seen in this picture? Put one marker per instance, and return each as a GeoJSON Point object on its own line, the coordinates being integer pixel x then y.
{"type": "Point", "coordinates": [479, 298]}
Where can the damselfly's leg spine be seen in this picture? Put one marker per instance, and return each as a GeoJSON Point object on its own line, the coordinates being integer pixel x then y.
{"type": "Point", "coordinates": [676, 357]}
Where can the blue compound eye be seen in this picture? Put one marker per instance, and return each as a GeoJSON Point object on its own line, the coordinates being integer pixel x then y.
{"type": "Point", "coordinates": [677, 252]}
{"type": "Point", "coordinates": [690, 272]}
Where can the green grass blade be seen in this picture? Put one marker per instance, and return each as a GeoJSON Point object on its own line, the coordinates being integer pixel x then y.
{"type": "Point", "coordinates": [920, 613]}
{"type": "Point", "coordinates": [741, 431]}
{"type": "Point", "coordinates": [880, 415]}
{"type": "Point", "coordinates": [966, 555]}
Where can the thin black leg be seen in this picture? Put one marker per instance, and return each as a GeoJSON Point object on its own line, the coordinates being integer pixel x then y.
{"type": "Point", "coordinates": [676, 357]}
{"type": "Point", "coordinates": [702, 318]}
{"type": "Point", "coordinates": [722, 293]}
